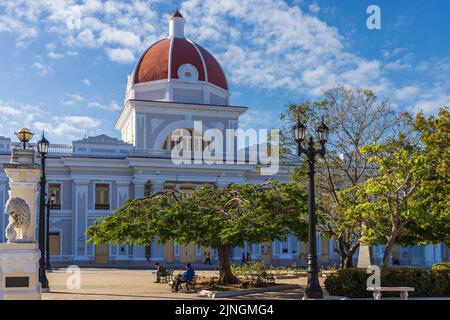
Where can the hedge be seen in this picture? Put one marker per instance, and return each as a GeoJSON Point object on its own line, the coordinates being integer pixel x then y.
{"type": "Point", "coordinates": [441, 266]}
{"type": "Point", "coordinates": [353, 282]}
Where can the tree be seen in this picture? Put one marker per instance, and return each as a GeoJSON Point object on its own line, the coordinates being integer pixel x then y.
{"type": "Point", "coordinates": [220, 218]}
{"type": "Point", "coordinates": [433, 197]}
{"type": "Point", "coordinates": [356, 118]}
{"type": "Point", "coordinates": [385, 203]}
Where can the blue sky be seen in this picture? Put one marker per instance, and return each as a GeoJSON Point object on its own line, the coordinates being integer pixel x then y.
{"type": "Point", "coordinates": [64, 64]}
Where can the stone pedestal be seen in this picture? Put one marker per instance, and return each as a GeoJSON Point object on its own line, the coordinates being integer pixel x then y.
{"type": "Point", "coordinates": [19, 261]}
{"type": "Point", "coordinates": [23, 183]}
{"type": "Point", "coordinates": [19, 265]}
{"type": "Point", "coordinates": [364, 257]}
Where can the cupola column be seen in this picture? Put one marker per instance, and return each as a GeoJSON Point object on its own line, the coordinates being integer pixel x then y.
{"type": "Point", "coordinates": [176, 25]}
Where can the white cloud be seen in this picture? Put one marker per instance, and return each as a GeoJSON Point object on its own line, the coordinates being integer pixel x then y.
{"type": "Point", "coordinates": [120, 55]}
{"type": "Point", "coordinates": [314, 7]}
{"type": "Point", "coordinates": [112, 106]}
{"type": "Point", "coordinates": [15, 115]}
{"type": "Point", "coordinates": [266, 44]}
{"type": "Point", "coordinates": [124, 38]}
{"type": "Point", "coordinates": [397, 65]}
{"type": "Point", "coordinates": [52, 54]}
{"type": "Point", "coordinates": [72, 99]}
{"type": "Point", "coordinates": [41, 69]}
{"type": "Point", "coordinates": [69, 127]}
{"type": "Point", "coordinates": [406, 93]}
{"type": "Point", "coordinates": [86, 82]}
{"type": "Point", "coordinates": [430, 101]}
{"type": "Point", "coordinates": [253, 119]}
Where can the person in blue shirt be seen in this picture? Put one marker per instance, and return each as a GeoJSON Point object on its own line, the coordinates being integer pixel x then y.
{"type": "Point", "coordinates": [187, 276]}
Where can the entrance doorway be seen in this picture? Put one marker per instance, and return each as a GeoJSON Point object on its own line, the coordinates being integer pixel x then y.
{"type": "Point", "coordinates": [101, 253]}
{"type": "Point", "coordinates": [54, 243]}
{"type": "Point", "coordinates": [187, 253]}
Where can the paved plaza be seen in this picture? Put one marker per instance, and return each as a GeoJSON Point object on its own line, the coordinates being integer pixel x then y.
{"type": "Point", "coordinates": [132, 284]}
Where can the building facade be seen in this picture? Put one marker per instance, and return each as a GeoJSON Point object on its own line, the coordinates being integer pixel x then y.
{"type": "Point", "coordinates": [175, 83]}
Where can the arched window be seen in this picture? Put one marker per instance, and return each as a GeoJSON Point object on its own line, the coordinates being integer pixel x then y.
{"type": "Point", "coordinates": [186, 137]}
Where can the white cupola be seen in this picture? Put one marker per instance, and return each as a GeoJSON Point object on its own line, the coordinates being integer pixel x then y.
{"type": "Point", "coordinates": [176, 25]}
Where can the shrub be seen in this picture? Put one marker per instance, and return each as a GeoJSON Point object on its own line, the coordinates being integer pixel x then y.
{"type": "Point", "coordinates": [353, 282]}
{"type": "Point", "coordinates": [441, 266]}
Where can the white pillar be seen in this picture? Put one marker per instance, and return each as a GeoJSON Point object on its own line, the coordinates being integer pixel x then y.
{"type": "Point", "coordinates": [139, 188]}
{"type": "Point", "coordinates": [19, 261]}
{"type": "Point", "coordinates": [431, 254]}
{"type": "Point", "coordinates": [157, 185]}
{"type": "Point", "coordinates": [23, 183]}
{"type": "Point", "coordinates": [80, 220]}
{"type": "Point", "coordinates": [157, 249]}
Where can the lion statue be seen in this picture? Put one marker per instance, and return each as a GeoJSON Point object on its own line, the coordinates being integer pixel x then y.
{"type": "Point", "coordinates": [19, 220]}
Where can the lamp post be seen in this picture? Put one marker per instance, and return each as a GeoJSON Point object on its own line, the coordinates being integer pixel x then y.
{"type": "Point", "coordinates": [50, 203]}
{"type": "Point", "coordinates": [24, 135]}
{"type": "Point", "coordinates": [313, 289]}
{"type": "Point", "coordinates": [43, 151]}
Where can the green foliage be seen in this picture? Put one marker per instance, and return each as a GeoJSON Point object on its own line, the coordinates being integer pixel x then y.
{"type": "Point", "coordinates": [208, 217]}
{"type": "Point", "coordinates": [254, 273]}
{"type": "Point", "coordinates": [433, 196]}
{"type": "Point", "coordinates": [441, 266]}
{"type": "Point", "coordinates": [211, 217]}
{"type": "Point", "coordinates": [353, 282]}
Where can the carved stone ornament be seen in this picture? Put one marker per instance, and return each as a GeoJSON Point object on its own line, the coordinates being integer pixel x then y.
{"type": "Point", "coordinates": [19, 220]}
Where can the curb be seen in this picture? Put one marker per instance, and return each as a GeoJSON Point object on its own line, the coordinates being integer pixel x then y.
{"type": "Point", "coordinates": [226, 294]}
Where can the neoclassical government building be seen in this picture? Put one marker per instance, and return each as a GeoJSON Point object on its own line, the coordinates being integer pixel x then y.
{"type": "Point", "coordinates": [175, 82]}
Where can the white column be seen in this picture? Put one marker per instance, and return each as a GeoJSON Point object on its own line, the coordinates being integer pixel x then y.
{"type": "Point", "coordinates": [23, 183]}
{"type": "Point", "coordinates": [430, 254]}
{"type": "Point", "coordinates": [157, 249]}
{"type": "Point", "coordinates": [157, 185]}
{"type": "Point", "coordinates": [80, 212]}
{"type": "Point", "coordinates": [123, 188]}
{"type": "Point", "coordinates": [139, 188]}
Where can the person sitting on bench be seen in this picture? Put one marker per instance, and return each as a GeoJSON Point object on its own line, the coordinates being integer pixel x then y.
{"type": "Point", "coordinates": [160, 272]}
{"type": "Point", "coordinates": [187, 276]}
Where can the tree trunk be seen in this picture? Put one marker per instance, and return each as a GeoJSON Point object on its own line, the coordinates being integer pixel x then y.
{"type": "Point", "coordinates": [346, 256]}
{"type": "Point", "coordinates": [225, 274]}
{"type": "Point", "coordinates": [387, 251]}
{"type": "Point", "coordinates": [348, 262]}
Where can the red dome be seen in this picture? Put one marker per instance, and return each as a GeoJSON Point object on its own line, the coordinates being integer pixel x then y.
{"type": "Point", "coordinates": [154, 64]}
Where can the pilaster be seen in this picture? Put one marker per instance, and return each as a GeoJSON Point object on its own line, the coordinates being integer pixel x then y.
{"type": "Point", "coordinates": [80, 218]}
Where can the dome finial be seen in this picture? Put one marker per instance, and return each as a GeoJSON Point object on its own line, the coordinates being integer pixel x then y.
{"type": "Point", "coordinates": [176, 14]}
{"type": "Point", "coordinates": [176, 25]}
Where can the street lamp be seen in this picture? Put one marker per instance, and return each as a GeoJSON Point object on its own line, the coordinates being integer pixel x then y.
{"type": "Point", "coordinates": [24, 135]}
{"type": "Point", "coordinates": [42, 147]}
{"type": "Point", "coordinates": [313, 289]}
{"type": "Point", "coordinates": [50, 203]}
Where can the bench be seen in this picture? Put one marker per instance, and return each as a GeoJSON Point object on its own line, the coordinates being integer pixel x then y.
{"type": "Point", "coordinates": [189, 286]}
{"type": "Point", "coordinates": [167, 277]}
{"type": "Point", "coordinates": [403, 291]}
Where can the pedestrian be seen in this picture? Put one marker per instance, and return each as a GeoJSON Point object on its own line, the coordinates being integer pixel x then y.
{"type": "Point", "coordinates": [207, 258]}
{"type": "Point", "coordinates": [244, 259]}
